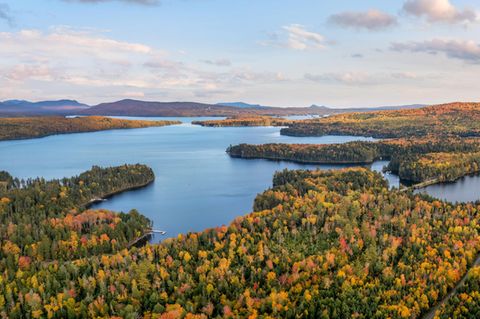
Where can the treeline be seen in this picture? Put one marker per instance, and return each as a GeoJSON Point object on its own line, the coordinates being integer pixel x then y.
{"type": "Point", "coordinates": [322, 244]}
{"type": "Point", "coordinates": [32, 127]}
{"type": "Point", "coordinates": [457, 119]}
{"type": "Point", "coordinates": [46, 221]}
{"type": "Point", "coordinates": [245, 121]}
{"type": "Point", "coordinates": [353, 152]}
{"type": "Point", "coordinates": [404, 155]}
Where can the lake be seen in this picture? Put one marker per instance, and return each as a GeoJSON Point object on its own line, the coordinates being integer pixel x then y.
{"type": "Point", "coordinates": [197, 184]}
{"type": "Point", "coordinates": [466, 189]}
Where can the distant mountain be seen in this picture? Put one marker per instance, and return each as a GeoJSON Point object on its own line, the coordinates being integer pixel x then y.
{"type": "Point", "coordinates": [327, 109]}
{"type": "Point", "coordinates": [244, 105]}
{"type": "Point", "coordinates": [369, 109]}
{"type": "Point", "coordinates": [129, 107]}
{"type": "Point", "coordinates": [321, 107]}
{"type": "Point", "coordinates": [142, 108]}
{"type": "Point", "coordinates": [58, 107]}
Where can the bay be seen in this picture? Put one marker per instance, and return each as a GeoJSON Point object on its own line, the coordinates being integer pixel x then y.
{"type": "Point", "coordinates": [197, 184]}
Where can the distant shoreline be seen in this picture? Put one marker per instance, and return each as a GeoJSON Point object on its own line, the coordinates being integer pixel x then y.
{"type": "Point", "coordinates": [25, 128]}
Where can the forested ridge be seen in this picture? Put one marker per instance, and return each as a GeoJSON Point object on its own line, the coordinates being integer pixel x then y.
{"type": "Point", "coordinates": [320, 244]}
{"type": "Point", "coordinates": [245, 121]}
{"type": "Point", "coordinates": [453, 119]}
{"type": "Point", "coordinates": [32, 127]}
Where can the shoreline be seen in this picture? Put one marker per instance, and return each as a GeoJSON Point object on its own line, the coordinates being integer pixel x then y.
{"type": "Point", "coordinates": [106, 196]}
{"type": "Point", "coordinates": [276, 159]}
{"type": "Point", "coordinates": [423, 184]}
{"type": "Point", "coordinates": [438, 181]}
{"type": "Point", "coordinates": [80, 132]}
{"type": "Point", "coordinates": [402, 187]}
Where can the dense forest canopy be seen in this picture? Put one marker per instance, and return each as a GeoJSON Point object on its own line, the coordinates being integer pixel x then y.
{"type": "Point", "coordinates": [320, 244]}
{"type": "Point", "coordinates": [243, 121]}
{"type": "Point", "coordinates": [49, 220]}
{"type": "Point", "coordinates": [31, 127]}
{"type": "Point", "coordinates": [458, 119]}
{"type": "Point", "coordinates": [466, 302]}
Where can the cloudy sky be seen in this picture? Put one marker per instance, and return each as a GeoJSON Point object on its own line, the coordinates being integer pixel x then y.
{"type": "Point", "coordinates": [273, 52]}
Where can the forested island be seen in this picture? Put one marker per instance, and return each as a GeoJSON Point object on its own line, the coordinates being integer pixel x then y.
{"type": "Point", "coordinates": [33, 127]}
{"type": "Point", "coordinates": [428, 145]}
{"type": "Point", "coordinates": [320, 244]}
{"type": "Point", "coordinates": [245, 121]}
{"type": "Point", "coordinates": [414, 160]}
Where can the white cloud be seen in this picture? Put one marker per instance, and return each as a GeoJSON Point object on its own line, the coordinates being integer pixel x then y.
{"type": "Point", "coordinates": [89, 63]}
{"type": "Point", "coordinates": [296, 37]}
{"type": "Point", "coordinates": [21, 72]}
{"type": "Point", "coordinates": [440, 11]}
{"type": "Point", "coordinates": [301, 39]}
{"type": "Point", "coordinates": [348, 78]}
{"type": "Point", "coordinates": [63, 42]}
{"type": "Point", "coordinates": [372, 20]}
{"type": "Point", "coordinates": [468, 51]}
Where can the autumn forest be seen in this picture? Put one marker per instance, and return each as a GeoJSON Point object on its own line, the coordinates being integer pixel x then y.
{"type": "Point", "coordinates": [317, 244]}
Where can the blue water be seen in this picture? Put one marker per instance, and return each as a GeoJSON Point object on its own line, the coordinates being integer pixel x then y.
{"type": "Point", "coordinates": [466, 189]}
{"type": "Point", "coordinates": [197, 184]}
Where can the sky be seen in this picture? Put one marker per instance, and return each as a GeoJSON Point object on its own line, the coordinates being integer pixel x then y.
{"type": "Point", "coordinates": [343, 53]}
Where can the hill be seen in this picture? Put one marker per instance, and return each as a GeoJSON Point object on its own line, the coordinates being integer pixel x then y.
{"type": "Point", "coordinates": [459, 119]}
{"type": "Point", "coordinates": [143, 108]}
{"type": "Point", "coordinates": [129, 107]}
{"type": "Point", "coordinates": [243, 105]}
{"type": "Point", "coordinates": [56, 107]}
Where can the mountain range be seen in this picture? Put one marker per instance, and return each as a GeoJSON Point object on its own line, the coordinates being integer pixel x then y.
{"type": "Point", "coordinates": [58, 107]}
{"type": "Point", "coordinates": [129, 107]}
